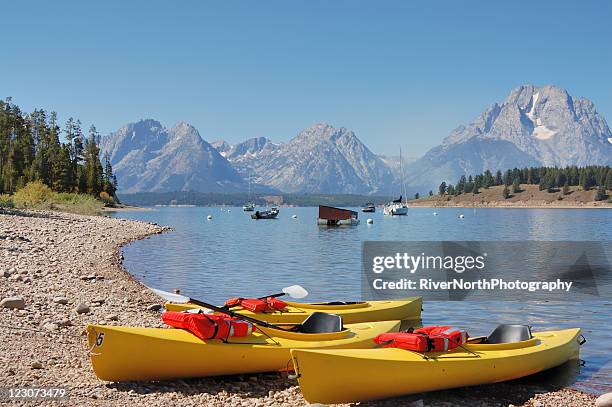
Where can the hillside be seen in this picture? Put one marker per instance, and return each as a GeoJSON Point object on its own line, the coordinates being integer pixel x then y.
{"type": "Point", "coordinates": [530, 196]}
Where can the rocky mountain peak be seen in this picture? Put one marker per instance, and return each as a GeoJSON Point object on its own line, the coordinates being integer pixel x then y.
{"type": "Point", "coordinates": [148, 157]}
{"type": "Point", "coordinates": [320, 158]}
{"type": "Point", "coordinates": [222, 146]}
{"type": "Point", "coordinates": [321, 132]}
{"type": "Point", "coordinates": [534, 125]}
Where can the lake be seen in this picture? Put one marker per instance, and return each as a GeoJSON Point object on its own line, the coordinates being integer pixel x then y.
{"type": "Point", "coordinates": [233, 255]}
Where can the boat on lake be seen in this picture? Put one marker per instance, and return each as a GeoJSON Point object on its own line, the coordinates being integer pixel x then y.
{"type": "Point", "coordinates": [271, 214]}
{"type": "Point", "coordinates": [369, 207]}
{"type": "Point", "coordinates": [249, 206]}
{"type": "Point", "coordinates": [330, 216]}
{"type": "Point", "coordinates": [398, 207]}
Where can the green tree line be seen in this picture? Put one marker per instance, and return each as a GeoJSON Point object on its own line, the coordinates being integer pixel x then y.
{"type": "Point", "coordinates": [547, 178]}
{"type": "Point", "coordinates": [31, 149]}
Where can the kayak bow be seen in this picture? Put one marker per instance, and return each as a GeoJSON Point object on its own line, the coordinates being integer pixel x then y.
{"type": "Point", "coordinates": [352, 375]}
{"type": "Point", "coordinates": [120, 353]}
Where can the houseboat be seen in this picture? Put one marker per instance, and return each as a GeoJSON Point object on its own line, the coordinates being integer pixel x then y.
{"type": "Point", "coordinates": [330, 216]}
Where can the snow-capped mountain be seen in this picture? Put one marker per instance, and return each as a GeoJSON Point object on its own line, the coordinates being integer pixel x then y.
{"type": "Point", "coordinates": [148, 157]}
{"type": "Point", "coordinates": [321, 159]}
{"type": "Point", "coordinates": [533, 126]}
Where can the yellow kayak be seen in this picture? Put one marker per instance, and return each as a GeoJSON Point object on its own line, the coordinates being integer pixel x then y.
{"type": "Point", "coordinates": [120, 353]}
{"type": "Point", "coordinates": [351, 375]}
{"type": "Point", "coordinates": [296, 312]}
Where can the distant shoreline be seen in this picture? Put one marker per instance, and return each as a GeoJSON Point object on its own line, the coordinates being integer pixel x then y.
{"type": "Point", "coordinates": [502, 205]}
{"type": "Point", "coordinates": [529, 197]}
{"type": "Point", "coordinates": [126, 208]}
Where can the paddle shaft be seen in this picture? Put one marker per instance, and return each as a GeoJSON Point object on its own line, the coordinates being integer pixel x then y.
{"type": "Point", "coordinates": [237, 315]}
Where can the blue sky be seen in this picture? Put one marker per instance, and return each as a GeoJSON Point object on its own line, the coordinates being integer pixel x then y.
{"type": "Point", "coordinates": [398, 73]}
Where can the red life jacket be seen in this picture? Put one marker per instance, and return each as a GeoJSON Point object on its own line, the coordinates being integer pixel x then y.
{"type": "Point", "coordinates": [426, 339]}
{"type": "Point", "coordinates": [208, 326]}
{"type": "Point", "coordinates": [256, 305]}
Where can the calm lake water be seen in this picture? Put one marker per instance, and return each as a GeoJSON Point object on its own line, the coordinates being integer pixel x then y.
{"type": "Point", "coordinates": [233, 255]}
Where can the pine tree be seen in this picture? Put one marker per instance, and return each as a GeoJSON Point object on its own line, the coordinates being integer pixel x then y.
{"type": "Point", "coordinates": [498, 178]}
{"type": "Point", "coordinates": [508, 177]}
{"type": "Point", "coordinates": [442, 188]}
{"type": "Point", "coordinates": [92, 166]}
{"type": "Point", "coordinates": [416, 196]}
{"type": "Point", "coordinates": [461, 184]}
{"type": "Point", "coordinates": [566, 189]}
{"type": "Point", "coordinates": [31, 150]}
{"type": "Point", "coordinates": [601, 193]}
{"type": "Point", "coordinates": [516, 186]}
{"type": "Point", "coordinates": [583, 181]}
{"type": "Point", "coordinates": [110, 181]}
{"type": "Point", "coordinates": [488, 180]}
{"type": "Point", "coordinates": [430, 193]}
{"type": "Point", "coordinates": [62, 168]}
{"type": "Point", "coordinates": [506, 192]}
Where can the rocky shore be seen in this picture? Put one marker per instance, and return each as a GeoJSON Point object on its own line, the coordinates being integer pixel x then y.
{"type": "Point", "coordinates": [60, 272]}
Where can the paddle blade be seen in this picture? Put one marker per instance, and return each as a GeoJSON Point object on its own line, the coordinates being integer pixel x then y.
{"type": "Point", "coordinates": [170, 297]}
{"type": "Point", "coordinates": [295, 291]}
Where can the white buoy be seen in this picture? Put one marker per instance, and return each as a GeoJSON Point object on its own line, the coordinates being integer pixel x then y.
{"type": "Point", "coordinates": [294, 216]}
{"type": "Point", "coordinates": [461, 216]}
{"type": "Point", "coordinates": [209, 217]}
{"type": "Point", "coordinates": [228, 211]}
{"type": "Point", "coordinates": [435, 213]}
{"type": "Point", "coordinates": [370, 221]}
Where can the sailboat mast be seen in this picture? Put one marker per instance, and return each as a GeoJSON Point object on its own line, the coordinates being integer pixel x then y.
{"type": "Point", "coordinates": [402, 186]}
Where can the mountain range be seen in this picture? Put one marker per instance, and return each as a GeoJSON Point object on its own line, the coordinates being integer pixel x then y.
{"type": "Point", "coordinates": [533, 126]}
{"type": "Point", "coordinates": [149, 157]}
{"type": "Point", "coordinates": [321, 159]}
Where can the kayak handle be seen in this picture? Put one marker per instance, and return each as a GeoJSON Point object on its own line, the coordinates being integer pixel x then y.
{"type": "Point", "coordinates": [582, 340]}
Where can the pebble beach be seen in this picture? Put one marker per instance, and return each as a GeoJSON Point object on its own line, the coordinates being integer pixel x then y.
{"type": "Point", "coordinates": [60, 272]}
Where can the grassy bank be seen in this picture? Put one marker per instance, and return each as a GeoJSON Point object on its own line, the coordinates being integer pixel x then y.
{"type": "Point", "coordinates": [38, 196]}
{"type": "Point", "coordinates": [527, 196]}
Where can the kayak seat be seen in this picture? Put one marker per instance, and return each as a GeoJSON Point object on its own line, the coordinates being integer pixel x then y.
{"type": "Point", "coordinates": [321, 322]}
{"type": "Point", "coordinates": [506, 333]}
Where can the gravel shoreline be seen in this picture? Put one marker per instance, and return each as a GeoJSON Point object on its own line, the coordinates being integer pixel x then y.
{"type": "Point", "coordinates": [67, 269]}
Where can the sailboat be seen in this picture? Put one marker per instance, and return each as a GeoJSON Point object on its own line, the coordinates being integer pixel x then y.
{"type": "Point", "coordinates": [249, 206]}
{"type": "Point", "coordinates": [397, 207]}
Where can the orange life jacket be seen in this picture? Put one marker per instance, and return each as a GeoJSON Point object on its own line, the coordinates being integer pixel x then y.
{"type": "Point", "coordinates": [208, 326]}
{"type": "Point", "coordinates": [426, 339]}
{"type": "Point", "coordinates": [256, 305]}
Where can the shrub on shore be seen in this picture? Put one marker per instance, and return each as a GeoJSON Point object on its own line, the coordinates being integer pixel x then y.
{"type": "Point", "coordinates": [6, 201]}
{"type": "Point", "coordinates": [36, 195]}
{"type": "Point", "coordinates": [33, 194]}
